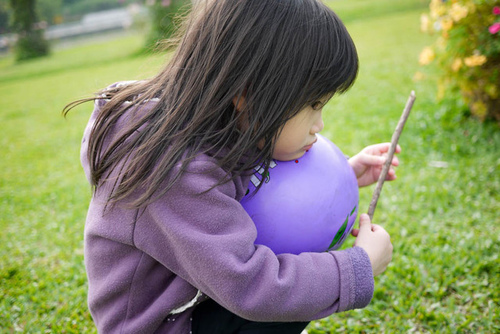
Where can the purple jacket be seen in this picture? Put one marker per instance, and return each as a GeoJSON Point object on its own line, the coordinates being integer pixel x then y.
{"type": "Point", "coordinates": [146, 268]}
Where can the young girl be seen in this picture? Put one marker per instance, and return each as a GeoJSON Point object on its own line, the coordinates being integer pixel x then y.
{"type": "Point", "coordinates": [168, 247]}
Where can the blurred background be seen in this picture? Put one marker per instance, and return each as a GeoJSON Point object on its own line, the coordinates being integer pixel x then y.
{"type": "Point", "coordinates": [442, 212]}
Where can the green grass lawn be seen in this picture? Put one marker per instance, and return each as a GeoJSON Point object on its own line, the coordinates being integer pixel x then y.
{"type": "Point", "coordinates": [442, 212]}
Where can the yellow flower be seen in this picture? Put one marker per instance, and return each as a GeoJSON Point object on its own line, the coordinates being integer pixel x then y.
{"type": "Point", "coordinates": [425, 23]}
{"type": "Point", "coordinates": [446, 24]}
{"type": "Point", "coordinates": [458, 12]}
{"type": "Point", "coordinates": [475, 60]}
{"type": "Point", "coordinates": [457, 65]}
{"type": "Point", "coordinates": [426, 56]}
{"type": "Point", "coordinates": [437, 8]}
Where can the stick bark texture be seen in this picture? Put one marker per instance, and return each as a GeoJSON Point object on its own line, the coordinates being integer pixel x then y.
{"type": "Point", "coordinates": [390, 155]}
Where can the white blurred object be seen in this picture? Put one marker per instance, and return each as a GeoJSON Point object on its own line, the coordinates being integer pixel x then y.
{"type": "Point", "coordinates": [438, 164]}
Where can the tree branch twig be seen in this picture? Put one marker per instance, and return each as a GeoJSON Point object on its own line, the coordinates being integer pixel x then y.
{"type": "Point", "coordinates": [392, 149]}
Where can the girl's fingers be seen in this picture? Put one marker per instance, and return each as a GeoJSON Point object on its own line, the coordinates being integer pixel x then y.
{"type": "Point", "coordinates": [383, 148]}
{"type": "Point", "coordinates": [372, 160]}
{"type": "Point", "coordinates": [379, 148]}
{"type": "Point", "coordinates": [391, 175]}
{"type": "Point", "coordinates": [398, 149]}
{"type": "Point", "coordinates": [378, 158]}
{"type": "Point", "coordinates": [376, 227]}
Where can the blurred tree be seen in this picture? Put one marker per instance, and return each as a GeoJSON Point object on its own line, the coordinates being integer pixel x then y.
{"type": "Point", "coordinates": [4, 16]}
{"type": "Point", "coordinates": [30, 43]}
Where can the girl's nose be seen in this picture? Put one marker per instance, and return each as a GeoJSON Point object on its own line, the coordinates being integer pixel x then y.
{"type": "Point", "coordinates": [317, 126]}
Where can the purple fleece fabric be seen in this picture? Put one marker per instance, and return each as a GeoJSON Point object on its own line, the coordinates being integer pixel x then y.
{"type": "Point", "coordinates": [142, 264]}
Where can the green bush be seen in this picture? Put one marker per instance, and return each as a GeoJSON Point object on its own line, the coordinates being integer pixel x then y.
{"type": "Point", "coordinates": [466, 53]}
{"type": "Point", "coordinates": [163, 19]}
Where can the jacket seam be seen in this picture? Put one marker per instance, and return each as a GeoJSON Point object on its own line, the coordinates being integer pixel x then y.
{"type": "Point", "coordinates": [133, 276]}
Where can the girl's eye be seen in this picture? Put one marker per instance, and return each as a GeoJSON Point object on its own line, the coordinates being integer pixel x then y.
{"type": "Point", "coordinates": [317, 105]}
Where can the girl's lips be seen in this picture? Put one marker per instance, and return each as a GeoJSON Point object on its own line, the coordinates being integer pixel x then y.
{"type": "Point", "coordinates": [308, 147]}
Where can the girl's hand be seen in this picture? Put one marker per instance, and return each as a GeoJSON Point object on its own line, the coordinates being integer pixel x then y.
{"type": "Point", "coordinates": [368, 164]}
{"type": "Point", "coordinates": [376, 242]}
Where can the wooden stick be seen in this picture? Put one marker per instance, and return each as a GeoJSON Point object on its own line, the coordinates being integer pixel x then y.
{"type": "Point", "coordinates": [390, 155]}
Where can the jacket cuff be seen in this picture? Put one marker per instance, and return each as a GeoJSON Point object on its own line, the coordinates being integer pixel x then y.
{"type": "Point", "coordinates": [356, 278]}
{"type": "Point", "coordinates": [363, 275]}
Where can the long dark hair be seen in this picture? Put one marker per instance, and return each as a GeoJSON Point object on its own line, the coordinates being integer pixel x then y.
{"type": "Point", "coordinates": [279, 55]}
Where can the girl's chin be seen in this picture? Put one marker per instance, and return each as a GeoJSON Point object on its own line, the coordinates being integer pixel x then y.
{"type": "Point", "coordinates": [289, 157]}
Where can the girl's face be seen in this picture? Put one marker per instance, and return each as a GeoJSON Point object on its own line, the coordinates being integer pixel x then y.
{"type": "Point", "coordinates": [299, 133]}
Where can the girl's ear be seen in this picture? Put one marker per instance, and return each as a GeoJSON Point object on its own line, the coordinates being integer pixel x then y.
{"type": "Point", "coordinates": [240, 106]}
{"type": "Point", "coordinates": [239, 102]}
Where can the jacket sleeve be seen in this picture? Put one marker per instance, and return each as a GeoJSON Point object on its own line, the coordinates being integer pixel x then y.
{"type": "Point", "coordinates": [207, 238]}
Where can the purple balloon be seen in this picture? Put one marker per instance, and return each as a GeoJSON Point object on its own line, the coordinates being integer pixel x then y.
{"type": "Point", "coordinates": [306, 205]}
